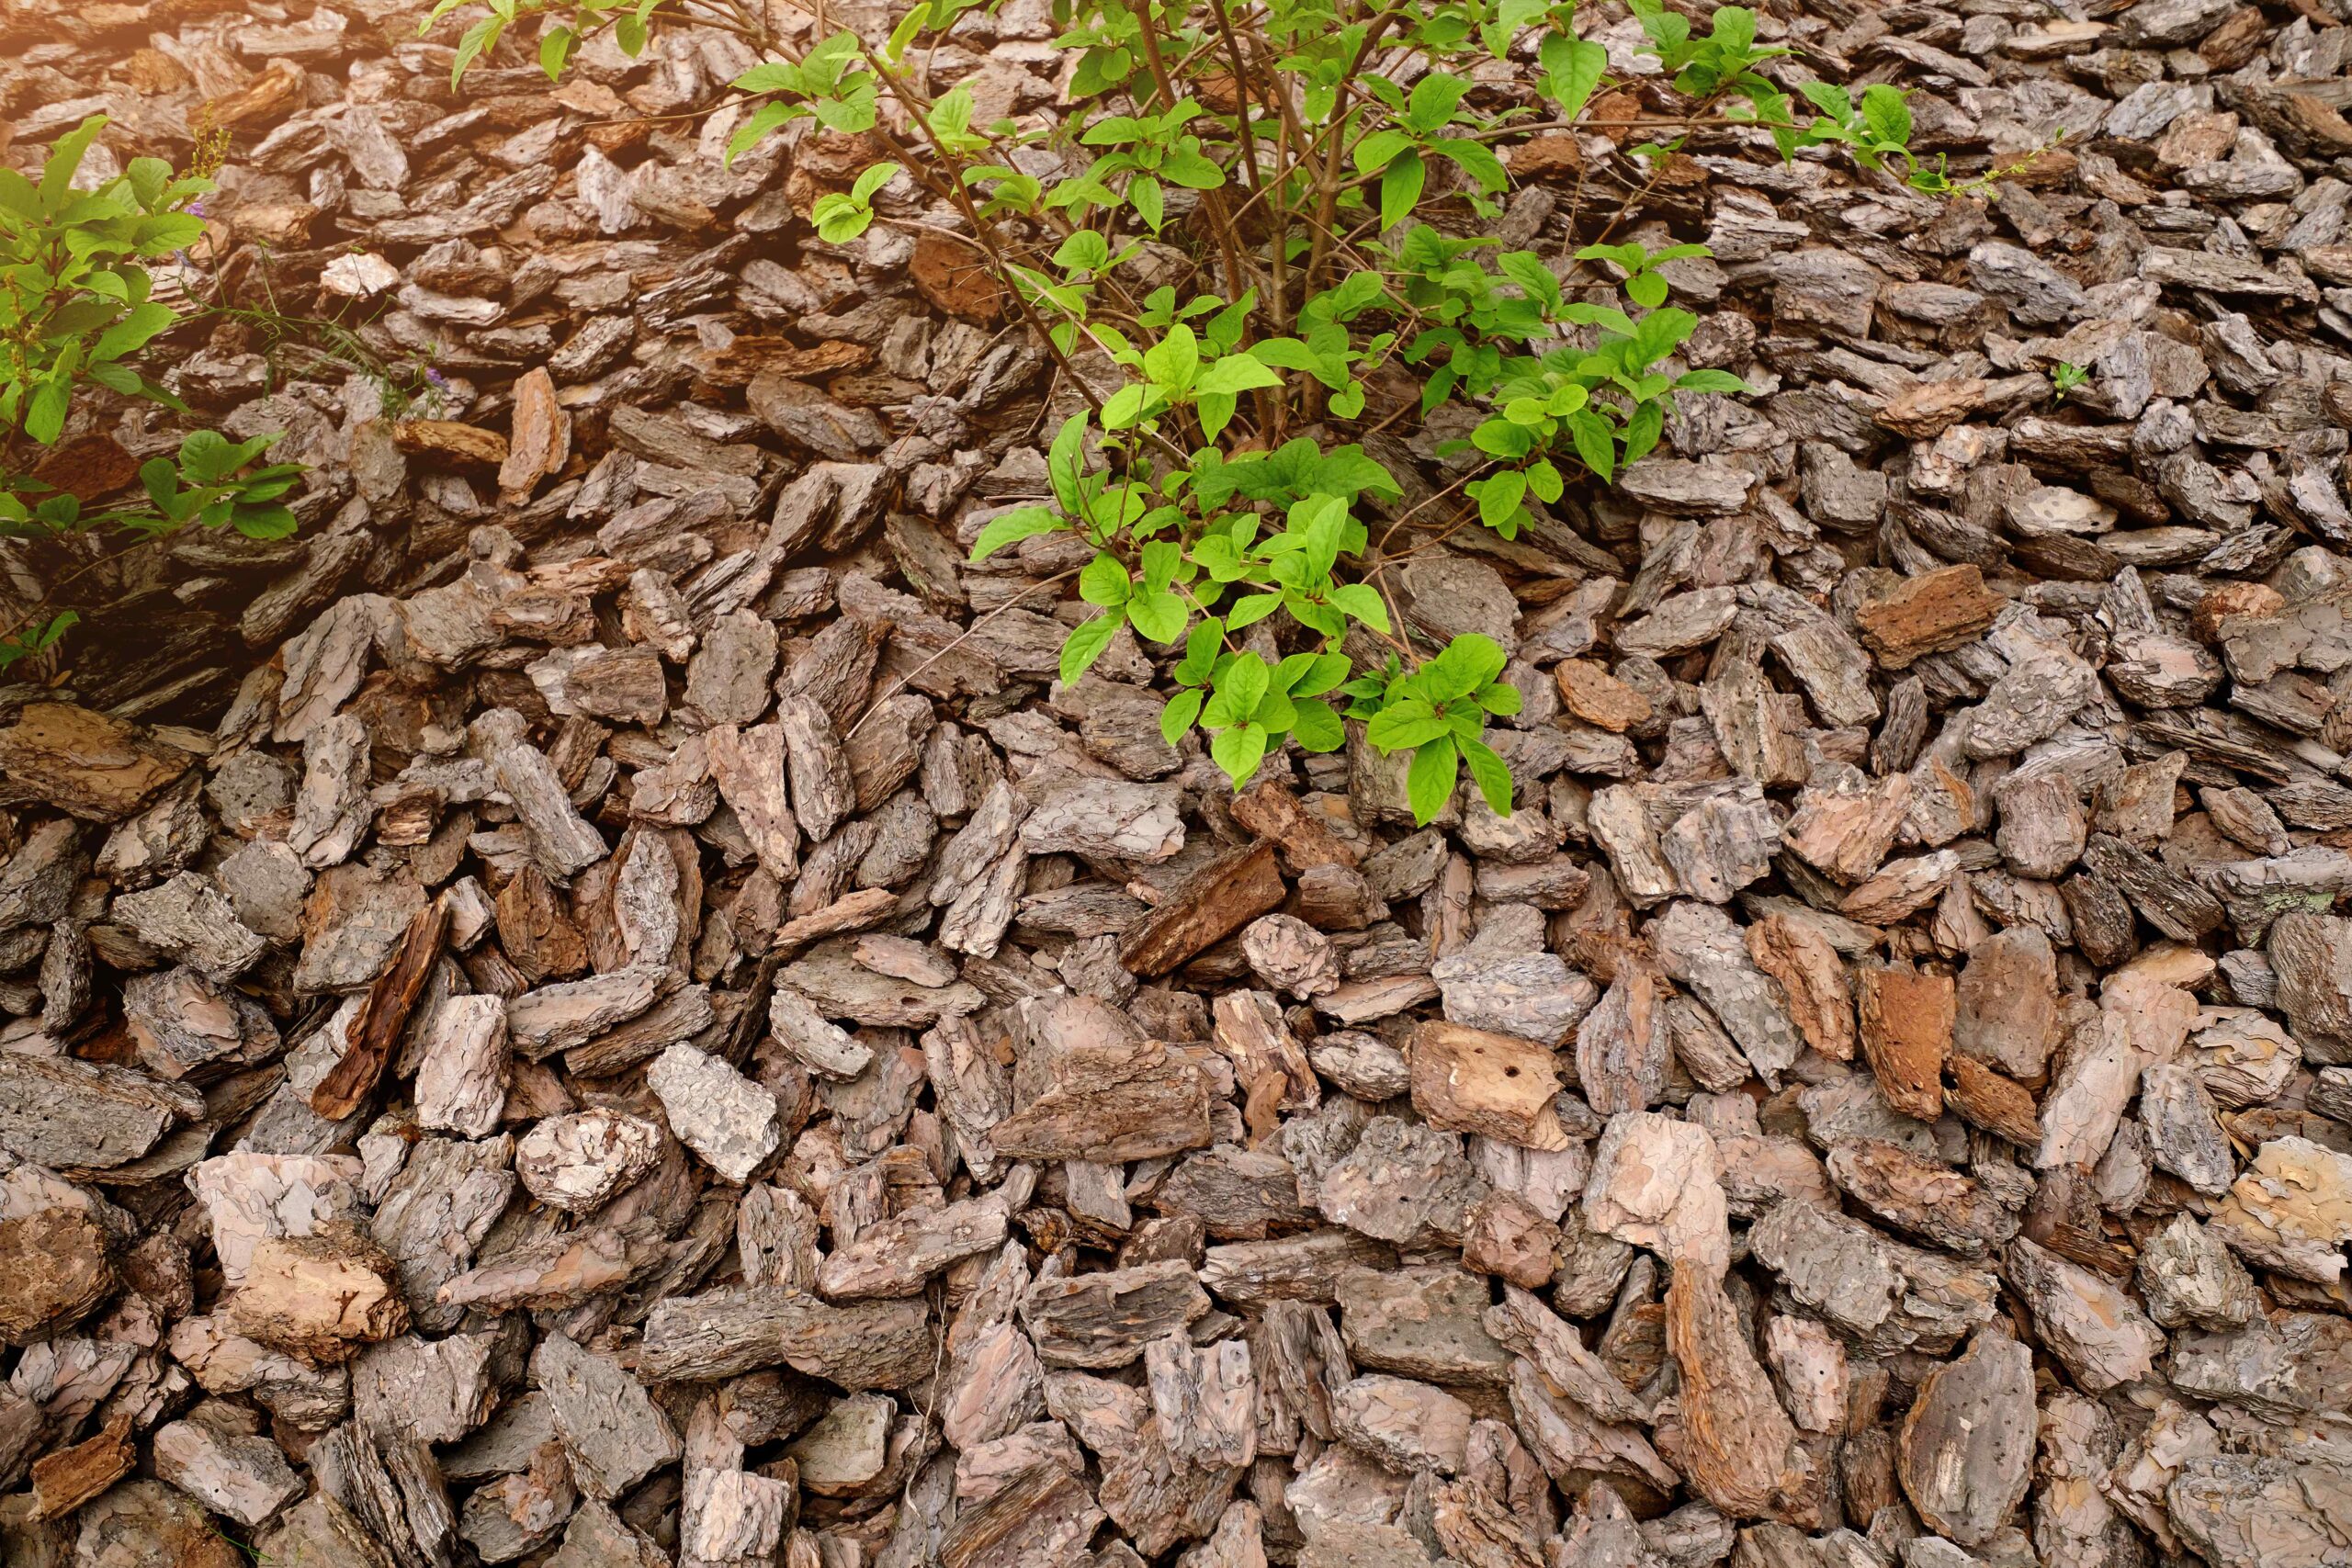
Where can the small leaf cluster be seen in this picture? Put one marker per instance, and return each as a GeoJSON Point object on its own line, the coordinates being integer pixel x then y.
{"type": "Point", "coordinates": [1607, 402]}
{"type": "Point", "coordinates": [1723, 63]}
{"type": "Point", "coordinates": [74, 301]}
{"type": "Point", "coordinates": [1439, 711]}
{"type": "Point", "coordinates": [840, 217]}
{"type": "Point", "coordinates": [1399, 154]}
{"type": "Point", "coordinates": [77, 311]}
{"type": "Point", "coordinates": [2064, 377]}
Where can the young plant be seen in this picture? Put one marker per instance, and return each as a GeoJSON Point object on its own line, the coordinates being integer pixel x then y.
{"type": "Point", "coordinates": [1267, 219]}
{"type": "Point", "coordinates": [1439, 711]}
{"type": "Point", "coordinates": [2064, 378]}
{"type": "Point", "coordinates": [77, 311]}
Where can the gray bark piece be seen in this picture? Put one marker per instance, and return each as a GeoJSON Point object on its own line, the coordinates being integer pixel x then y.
{"type": "Point", "coordinates": [823, 792]}
{"type": "Point", "coordinates": [1887, 1295]}
{"type": "Point", "coordinates": [562, 842]}
{"type": "Point", "coordinates": [436, 1211]}
{"type": "Point", "coordinates": [735, 1329]}
{"type": "Point", "coordinates": [812, 1040]}
{"type": "Point", "coordinates": [574, 1163]}
{"type": "Point", "coordinates": [1655, 1184]}
{"type": "Point", "coordinates": [331, 809]}
{"type": "Point", "coordinates": [187, 919]}
{"type": "Point", "coordinates": [216, 1455]}
{"type": "Point", "coordinates": [66, 1113]}
{"type": "Point", "coordinates": [2095, 1329]}
{"type": "Point", "coordinates": [1966, 1449]}
{"type": "Point", "coordinates": [2184, 1129]}
{"type": "Point", "coordinates": [749, 768]}
{"type": "Point", "coordinates": [615, 1434]}
{"type": "Point", "coordinates": [718, 1112]}
{"type": "Point", "coordinates": [461, 1078]}
{"type": "Point", "coordinates": [1104, 817]}
{"type": "Point", "coordinates": [2312, 956]}
{"type": "Point", "coordinates": [572, 1012]}
{"type": "Point", "coordinates": [2190, 1278]}
{"type": "Point", "coordinates": [1698, 946]}
{"type": "Point", "coordinates": [727, 680]}
{"type": "Point", "coordinates": [436, 1391]}
{"type": "Point", "coordinates": [2261, 1513]}
{"type": "Point", "coordinates": [1422, 1323]}
{"type": "Point", "coordinates": [896, 1257]}
{"type": "Point", "coordinates": [1533, 995]}
{"type": "Point", "coordinates": [2288, 1364]}
{"type": "Point", "coordinates": [1099, 1321]}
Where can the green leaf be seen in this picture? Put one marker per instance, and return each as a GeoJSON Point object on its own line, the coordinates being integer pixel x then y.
{"type": "Point", "coordinates": [1594, 442]}
{"type": "Point", "coordinates": [1239, 751]}
{"type": "Point", "coordinates": [1400, 189]}
{"type": "Point", "coordinates": [1709, 381]}
{"type": "Point", "coordinates": [1199, 652]}
{"type": "Point", "coordinates": [1527, 269]}
{"type": "Point", "coordinates": [1235, 373]}
{"type": "Point", "coordinates": [1501, 698]}
{"type": "Point", "coordinates": [65, 160]}
{"type": "Point", "coordinates": [766, 119]}
{"type": "Point", "coordinates": [1125, 406]}
{"type": "Point", "coordinates": [480, 39]}
{"type": "Point", "coordinates": [1735, 29]}
{"type": "Point", "coordinates": [1642, 430]}
{"type": "Point", "coordinates": [913, 23]}
{"type": "Point", "coordinates": [1159, 617]}
{"type": "Point", "coordinates": [1407, 722]}
{"type": "Point", "coordinates": [1149, 202]}
{"type": "Point", "coordinates": [1500, 496]}
{"type": "Point", "coordinates": [1186, 167]}
{"type": "Point", "coordinates": [1574, 67]}
{"type": "Point", "coordinates": [1362, 602]}
{"type": "Point", "coordinates": [1323, 676]}
{"type": "Point", "coordinates": [1378, 150]}
{"type": "Point", "coordinates": [1465, 664]}
{"type": "Point", "coordinates": [1543, 480]}
{"type": "Point", "coordinates": [1433, 100]}
{"type": "Point", "coordinates": [1249, 611]}
{"type": "Point", "coordinates": [1487, 771]}
{"type": "Point", "coordinates": [1647, 289]}
{"type": "Point", "coordinates": [1429, 783]}
{"type": "Point", "coordinates": [1477, 160]}
{"type": "Point", "coordinates": [264, 522]}
{"type": "Point", "coordinates": [838, 218]}
{"type": "Point", "coordinates": [555, 50]}
{"type": "Point", "coordinates": [1829, 98]}
{"type": "Point", "coordinates": [1085, 645]}
{"type": "Point", "coordinates": [1316, 727]}
{"type": "Point", "coordinates": [1159, 561]}
{"type": "Point", "coordinates": [133, 332]}
{"type": "Point", "coordinates": [1066, 460]}
{"type": "Point", "coordinates": [1243, 684]}
{"type": "Point", "coordinates": [1178, 716]}
{"type": "Point", "coordinates": [1886, 114]}
{"type": "Point", "coordinates": [1012, 527]}
{"type": "Point", "coordinates": [1174, 360]}
{"type": "Point", "coordinates": [1103, 581]}
{"type": "Point", "coordinates": [45, 414]}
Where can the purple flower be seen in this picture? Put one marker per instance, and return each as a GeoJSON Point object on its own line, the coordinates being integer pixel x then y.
{"type": "Point", "coordinates": [196, 207]}
{"type": "Point", "coordinates": [436, 376]}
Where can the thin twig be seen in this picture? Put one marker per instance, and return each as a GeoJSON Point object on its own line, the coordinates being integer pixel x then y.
{"type": "Point", "coordinates": [900, 683]}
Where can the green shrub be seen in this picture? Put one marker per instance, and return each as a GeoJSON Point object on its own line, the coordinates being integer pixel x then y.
{"type": "Point", "coordinates": [75, 311]}
{"type": "Point", "coordinates": [1320, 196]}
